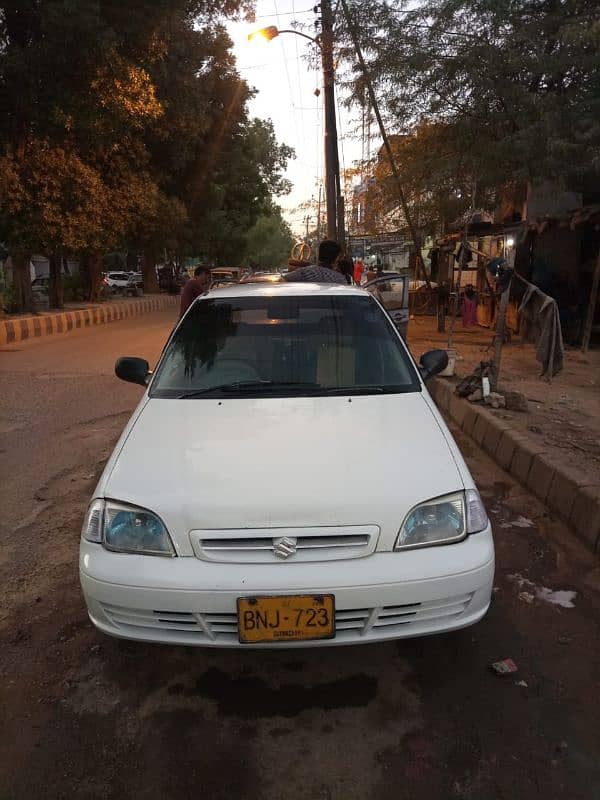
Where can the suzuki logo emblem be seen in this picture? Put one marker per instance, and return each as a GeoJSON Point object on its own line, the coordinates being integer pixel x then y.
{"type": "Point", "coordinates": [285, 546]}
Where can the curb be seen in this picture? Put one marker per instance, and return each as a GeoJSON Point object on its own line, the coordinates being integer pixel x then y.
{"type": "Point", "coordinates": [572, 496]}
{"type": "Point", "coordinates": [18, 330]}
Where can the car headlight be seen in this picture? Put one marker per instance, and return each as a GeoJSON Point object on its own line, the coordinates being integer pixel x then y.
{"type": "Point", "coordinates": [126, 529]}
{"type": "Point", "coordinates": [442, 521]}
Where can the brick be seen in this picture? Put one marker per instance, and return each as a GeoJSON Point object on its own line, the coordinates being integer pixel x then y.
{"type": "Point", "coordinates": [457, 408]}
{"type": "Point", "coordinates": [480, 427]}
{"type": "Point", "coordinates": [493, 435]}
{"type": "Point", "coordinates": [585, 515]}
{"type": "Point", "coordinates": [540, 475]}
{"type": "Point", "coordinates": [440, 391]}
{"type": "Point", "coordinates": [565, 485]}
{"type": "Point", "coordinates": [505, 450]}
{"type": "Point", "coordinates": [521, 461]}
{"type": "Point", "coordinates": [469, 420]}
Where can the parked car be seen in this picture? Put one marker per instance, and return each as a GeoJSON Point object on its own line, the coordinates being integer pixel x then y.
{"type": "Point", "coordinates": [137, 278]}
{"type": "Point", "coordinates": [285, 480]}
{"type": "Point", "coordinates": [121, 282]}
{"type": "Point", "coordinates": [40, 287]}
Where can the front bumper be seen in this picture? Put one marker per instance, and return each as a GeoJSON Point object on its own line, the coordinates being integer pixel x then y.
{"type": "Point", "coordinates": [383, 596]}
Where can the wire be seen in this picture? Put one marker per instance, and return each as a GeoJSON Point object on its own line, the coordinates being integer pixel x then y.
{"type": "Point", "coordinates": [283, 14]}
{"type": "Point", "coordinates": [299, 80]}
{"type": "Point", "coordinates": [287, 74]}
{"type": "Point", "coordinates": [266, 64]}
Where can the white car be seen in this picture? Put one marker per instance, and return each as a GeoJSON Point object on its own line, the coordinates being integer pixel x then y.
{"type": "Point", "coordinates": [123, 281]}
{"type": "Point", "coordinates": [286, 480]}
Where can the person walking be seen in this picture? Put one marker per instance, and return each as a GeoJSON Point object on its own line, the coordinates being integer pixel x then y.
{"type": "Point", "coordinates": [325, 271]}
{"type": "Point", "coordinates": [193, 288]}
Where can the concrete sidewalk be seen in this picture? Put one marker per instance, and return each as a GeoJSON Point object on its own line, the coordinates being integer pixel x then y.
{"type": "Point", "coordinates": [80, 316]}
{"type": "Point", "coordinates": [554, 448]}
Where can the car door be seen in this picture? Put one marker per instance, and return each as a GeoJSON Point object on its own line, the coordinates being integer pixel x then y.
{"type": "Point", "coordinates": [392, 292]}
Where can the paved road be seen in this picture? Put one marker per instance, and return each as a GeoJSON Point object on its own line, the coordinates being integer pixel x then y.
{"type": "Point", "coordinates": [87, 716]}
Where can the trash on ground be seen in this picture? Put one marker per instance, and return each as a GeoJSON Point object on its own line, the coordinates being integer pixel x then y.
{"type": "Point", "coordinates": [564, 639]}
{"type": "Point", "coordinates": [526, 597]}
{"type": "Point", "coordinates": [559, 597]}
{"type": "Point", "coordinates": [519, 522]}
{"type": "Point", "coordinates": [505, 667]}
{"type": "Point", "coordinates": [522, 683]}
{"type": "Point", "coordinates": [472, 382]}
{"type": "Point", "coordinates": [495, 400]}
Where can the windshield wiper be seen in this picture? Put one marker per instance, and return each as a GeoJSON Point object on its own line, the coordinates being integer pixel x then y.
{"type": "Point", "coordinates": [249, 386]}
{"type": "Point", "coordinates": [368, 388]}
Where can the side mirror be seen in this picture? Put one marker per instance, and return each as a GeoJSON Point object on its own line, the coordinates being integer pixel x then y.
{"type": "Point", "coordinates": [432, 363]}
{"type": "Point", "coordinates": [133, 370]}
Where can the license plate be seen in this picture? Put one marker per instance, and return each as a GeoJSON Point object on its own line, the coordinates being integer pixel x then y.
{"type": "Point", "coordinates": [287, 618]}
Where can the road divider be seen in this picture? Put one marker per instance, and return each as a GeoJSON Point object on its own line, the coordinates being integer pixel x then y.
{"type": "Point", "coordinates": [46, 324]}
{"type": "Point", "coordinates": [569, 493]}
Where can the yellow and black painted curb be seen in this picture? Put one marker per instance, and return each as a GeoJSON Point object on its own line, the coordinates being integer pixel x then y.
{"type": "Point", "coordinates": [23, 328]}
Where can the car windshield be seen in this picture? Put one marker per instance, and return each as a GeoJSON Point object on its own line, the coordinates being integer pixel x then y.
{"type": "Point", "coordinates": [284, 345]}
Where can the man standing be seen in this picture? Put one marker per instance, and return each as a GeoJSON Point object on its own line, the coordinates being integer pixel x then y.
{"type": "Point", "coordinates": [323, 272]}
{"type": "Point", "coordinates": [194, 288]}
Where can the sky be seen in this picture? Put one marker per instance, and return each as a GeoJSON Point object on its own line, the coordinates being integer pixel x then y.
{"type": "Point", "coordinates": [285, 82]}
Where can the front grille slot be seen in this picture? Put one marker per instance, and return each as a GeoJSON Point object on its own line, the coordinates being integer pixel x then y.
{"type": "Point", "coordinates": [350, 624]}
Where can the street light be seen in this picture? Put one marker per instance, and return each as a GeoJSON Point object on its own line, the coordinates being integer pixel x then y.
{"type": "Point", "coordinates": [324, 41]}
{"type": "Point", "coordinates": [272, 31]}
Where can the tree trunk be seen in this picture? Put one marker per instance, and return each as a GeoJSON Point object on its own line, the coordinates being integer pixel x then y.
{"type": "Point", "coordinates": [22, 283]}
{"type": "Point", "coordinates": [150, 280]}
{"type": "Point", "coordinates": [91, 265]}
{"type": "Point", "coordinates": [132, 261]}
{"type": "Point", "coordinates": [56, 295]}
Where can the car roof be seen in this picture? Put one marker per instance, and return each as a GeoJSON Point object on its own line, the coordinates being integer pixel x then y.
{"type": "Point", "coordinates": [295, 288]}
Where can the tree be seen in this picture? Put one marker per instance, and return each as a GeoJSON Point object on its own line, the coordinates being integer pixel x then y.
{"type": "Point", "coordinates": [126, 127]}
{"type": "Point", "coordinates": [269, 241]}
{"type": "Point", "coordinates": [507, 90]}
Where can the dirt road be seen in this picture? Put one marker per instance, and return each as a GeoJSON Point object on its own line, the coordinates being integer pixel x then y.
{"type": "Point", "coordinates": [87, 716]}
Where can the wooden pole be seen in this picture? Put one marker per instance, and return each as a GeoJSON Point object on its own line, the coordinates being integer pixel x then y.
{"type": "Point", "coordinates": [589, 320]}
{"type": "Point", "coordinates": [455, 305]}
{"type": "Point", "coordinates": [386, 143]}
{"type": "Point", "coordinates": [499, 337]}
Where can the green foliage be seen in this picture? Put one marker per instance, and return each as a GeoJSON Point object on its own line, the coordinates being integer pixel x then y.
{"type": "Point", "coordinates": [494, 90]}
{"type": "Point", "coordinates": [125, 126]}
{"type": "Point", "coordinates": [74, 288]}
{"type": "Point", "coordinates": [269, 241]}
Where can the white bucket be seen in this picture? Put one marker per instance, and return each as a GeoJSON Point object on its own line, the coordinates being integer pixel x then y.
{"type": "Point", "coordinates": [449, 371]}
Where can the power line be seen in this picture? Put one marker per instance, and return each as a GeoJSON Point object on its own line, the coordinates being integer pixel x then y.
{"type": "Point", "coordinates": [287, 74]}
{"type": "Point", "coordinates": [299, 80]}
{"type": "Point", "coordinates": [283, 14]}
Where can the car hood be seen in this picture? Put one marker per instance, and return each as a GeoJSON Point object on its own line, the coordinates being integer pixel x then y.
{"type": "Point", "coordinates": [283, 462]}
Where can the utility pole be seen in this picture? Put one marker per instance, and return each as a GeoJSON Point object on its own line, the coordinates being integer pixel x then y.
{"type": "Point", "coordinates": [307, 221]}
{"type": "Point", "coordinates": [319, 215]}
{"type": "Point", "coordinates": [333, 195]}
{"type": "Point", "coordinates": [401, 196]}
